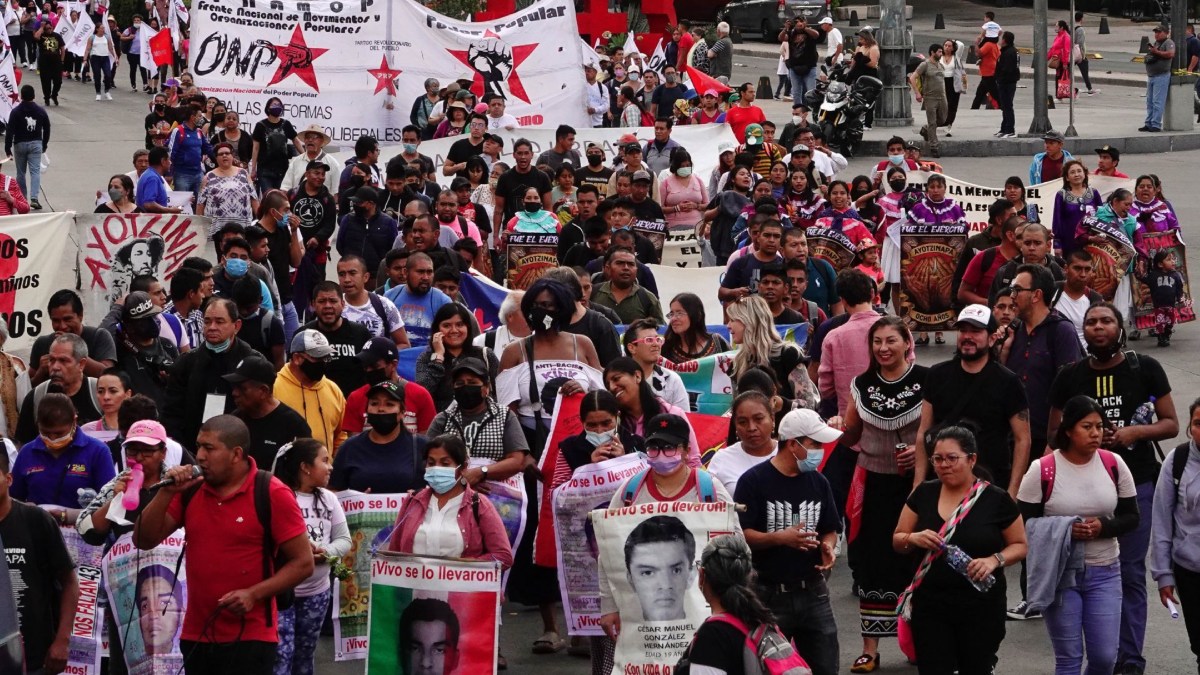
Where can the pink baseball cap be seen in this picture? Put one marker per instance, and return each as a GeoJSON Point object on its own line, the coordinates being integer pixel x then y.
{"type": "Point", "coordinates": [481, 108]}
{"type": "Point", "coordinates": [146, 431]}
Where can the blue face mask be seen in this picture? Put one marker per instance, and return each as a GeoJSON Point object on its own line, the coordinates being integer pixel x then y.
{"type": "Point", "coordinates": [598, 439]}
{"type": "Point", "coordinates": [812, 462]}
{"type": "Point", "coordinates": [441, 478]}
{"type": "Point", "coordinates": [410, 148]}
{"type": "Point", "coordinates": [284, 219]}
{"type": "Point", "coordinates": [219, 347]}
{"type": "Point", "coordinates": [236, 267]}
{"type": "Point", "coordinates": [896, 159]}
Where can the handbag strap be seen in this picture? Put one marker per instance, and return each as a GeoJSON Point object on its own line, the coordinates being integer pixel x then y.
{"type": "Point", "coordinates": [904, 607]}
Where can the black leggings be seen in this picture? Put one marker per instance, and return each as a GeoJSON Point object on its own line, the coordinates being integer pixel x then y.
{"type": "Point", "coordinates": [51, 81]}
{"type": "Point", "coordinates": [135, 65]}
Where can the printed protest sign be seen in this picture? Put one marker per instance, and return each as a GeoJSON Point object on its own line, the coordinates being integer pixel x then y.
{"type": "Point", "coordinates": [510, 499]}
{"type": "Point", "coordinates": [529, 257]}
{"type": "Point", "coordinates": [1143, 307]}
{"type": "Point", "coordinates": [654, 230]}
{"type": "Point", "coordinates": [370, 518]}
{"type": "Point", "coordinates": [35, 255]}
{"type": "Point", "coordinates": [650, 555]}
{"type": "Point", "coordinates": [83, 651]}
{"type": "Point", "coordinates": [832, 246]}
{"type": "Point", "coordinates": [591, 487]}
{"type": "Point", "coordinates": [147, 600]}
{"type": "Point", "coordinates": [928, 256]}
{"type": "Point", "coordinates": [1112, 251]}
{"type": "Point", "coordinates": [433, 615]}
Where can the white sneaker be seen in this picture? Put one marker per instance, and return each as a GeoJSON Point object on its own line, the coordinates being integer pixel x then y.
{"type": "Point", "coordinates": [97, 97]}
{"type": "Point", "coordinates": [948, 130]}
{"type": "Point", "coordinates": [107, 96]}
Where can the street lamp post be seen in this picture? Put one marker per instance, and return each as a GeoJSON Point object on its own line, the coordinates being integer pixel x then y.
{"type": "Point", "coordinates": [895, 47]}
{"type": "Point", "coordinates": [1071, 69]}
{"type": "Point", "coordinates": [1041, 116]}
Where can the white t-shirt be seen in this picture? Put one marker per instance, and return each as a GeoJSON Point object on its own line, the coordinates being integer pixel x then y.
{"type": "Point", "coordinates": [833, 39]}
{"type": "Point", "coordinates": [729, 463]}
{"type": "Point", "coordinates": [669, 387]}
{"type": "Point", "coordinates": [324, 522]}
{"type": "Point", "coordinates": [1074, 311]}
{"type": "Point", "coordinates": [366, 315]}
{"type": "Point", "coordinates": [1086, 491]}
{"type": "Point", "coordinates": [505, 121]}
{"type": "Point", "coordinates": [439, 533]}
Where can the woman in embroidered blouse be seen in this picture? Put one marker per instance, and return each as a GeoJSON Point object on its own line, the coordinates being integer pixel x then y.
{"type": "Point", "coordinates": [892, 205]}
{"type": "Point", "coordinates": [533, 219]}
{"type": "Point", "coordinates": [804, 202]}
{"type": "Point", "coordinates": [881, 425]}
{"type": "Point", "coordinates": [936, 209]}
{"type": "Point", "coordinates": [1075, 201]}
{"type": "Point", "coordinates": [1152, 213]}
{"type": "Point", "coordinates": [840, 214]}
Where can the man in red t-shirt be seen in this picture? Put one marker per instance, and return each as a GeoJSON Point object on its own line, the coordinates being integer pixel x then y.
{"type": "Point", "coordinates": [683, 36]}
{"type": "Point", "coordinates": [230, 621]}
{"type": "Point", "coordinates": [744, 113]}
{"type": "Point", "coordinates": [982, 269]}
{"type": "Point", "coordinates": [379, 359]}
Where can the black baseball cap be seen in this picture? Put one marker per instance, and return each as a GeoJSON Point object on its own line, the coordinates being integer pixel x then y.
{"type": "Point", "coordinates": [316, 164]}
{"type": "Point", "coordinates": [366, 193]}
{"type": "Point", "coordinates": [390, 388]}
{"type": "Point", "coordinates": [138, 305]}
{"type": "Point", "coordinates": [668, 428]}
{"type": "Point", "coordinates": [469, 364]}
{"type": "Point", "coordinates": [378, 349]}
{"type": "Point", "coordinates": [252, 369]}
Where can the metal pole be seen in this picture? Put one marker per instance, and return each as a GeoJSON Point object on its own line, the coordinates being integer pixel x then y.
{"type": "Point", "coordinates": [1041, 117]}
{"type": "Point", "coordinates": [895, 46]}
{"type": "Point", "coordinates": [1070, 132]}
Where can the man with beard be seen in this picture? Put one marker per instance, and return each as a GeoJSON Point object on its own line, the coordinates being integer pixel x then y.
{"type": "Point", "coordinates": [144, 356]}
{"type": "Point", "coordinates": [314, 204]}
{"type": "Point", "coordinates": [271, 423]}
{"type": "Point", "coordinates": [1121, 381]}
{"type": "Point", "coordinates": [621, 293]}
{"type": "Point", "coordinates": [972, 387]}
{"type": "Point", "coordinates": [417, 300]}
{"type": "Point", "coordinates": [345, 338]}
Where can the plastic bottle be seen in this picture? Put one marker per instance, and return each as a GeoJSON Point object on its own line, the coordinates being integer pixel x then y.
{"type": "Point", "coordinates": [1144, 413]}
{"type": "Point", "coordinates": [958, 560]}
{"type": "Point", "coordinates": [133, 487]}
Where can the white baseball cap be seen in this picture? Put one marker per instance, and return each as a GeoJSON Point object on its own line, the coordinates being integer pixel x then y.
{"type": "Point", "coordinates": [312, 343]}
{"type": "Point", "coordinates": [805, 423]}
{"type": "Point", "coordinates": [975, 315]}
{"type": "Point", "coordinates": [826, 20]}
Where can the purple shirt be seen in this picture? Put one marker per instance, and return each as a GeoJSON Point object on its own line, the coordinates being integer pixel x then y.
{"type": "Point", "coordinates": [1157, 216]}
{"type": "Point", "coordinates": [1035, 358]}
{"type": "Point", "coordinates": [1069, 212]}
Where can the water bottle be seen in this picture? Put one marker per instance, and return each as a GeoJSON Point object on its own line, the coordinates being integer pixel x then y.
{"type": "Point", "coordinates": [1144, 413]}
{"type": "Point", "coordinates": [133, 487]}
{"type": "Point", "coordinates": [958, 560]}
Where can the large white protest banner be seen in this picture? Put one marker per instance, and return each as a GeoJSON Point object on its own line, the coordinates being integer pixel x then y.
{"type": "Point", "coordinates": [370, 518]}
{"type": "Point", "coordinates": [355, 67]}
{"type": "Point", "coordinates": [35, 257]}
{"type": "Point", "coordinates": [650, 556]}
{"type": "Point", "coordinates": [591, 487]}
{"type": "Point", "coordinates": [148, 601]}
{"type": "Point", "coordinates": [433, 615]}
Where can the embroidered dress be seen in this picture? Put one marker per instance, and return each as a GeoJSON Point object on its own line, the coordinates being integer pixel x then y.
{"type": "Point", "coordinates": [1069, 211]}
{"type": "Point", "coordinates": [1156, 216]}
{"type": "Point", "coordinates": [889, 232]}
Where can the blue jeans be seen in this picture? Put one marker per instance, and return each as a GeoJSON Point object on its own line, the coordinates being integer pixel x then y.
{"type": "Point", "coordinates": [28, 155]}
{"type": "Point", "coordinates": [1134, 547]}
{"type": "Point", "coordinates": [1087, 615]}
{"type": "Point", "coordinates": [187, 182]}
{"type": "Point", "coordinates": [299, 630]}
{"type": "Point", "coordinates": [291, 322]}
{"type": "Point", "coordinates": [1156, 99]}
{"type": "Point", "coordinates": [806, 617]}
{"type": "Point", "coordinates": [802, 83]}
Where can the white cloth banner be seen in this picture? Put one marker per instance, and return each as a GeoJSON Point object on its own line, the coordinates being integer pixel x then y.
{"type": "Point", "coordinates": [64, 27]}
{"type": "Point", "coordinates": [143, 37]}
{"type": "Point", "coordinates": [80, 34]}
{"type": "Point", "coordinates": [355, 68]}
{"type": "Point", "coordinates": [8, 79]}
{"type": "Point", "coordinates": [35, 261]}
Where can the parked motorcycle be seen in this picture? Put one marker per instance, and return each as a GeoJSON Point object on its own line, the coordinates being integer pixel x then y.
{"type": "Point", "coordinates": [840, 109]}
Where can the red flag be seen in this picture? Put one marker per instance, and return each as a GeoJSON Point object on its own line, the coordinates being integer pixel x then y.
{"type": "Point", "coordinates": [161, 48]}
{"type": "Point", "coordinates": [702, 83]}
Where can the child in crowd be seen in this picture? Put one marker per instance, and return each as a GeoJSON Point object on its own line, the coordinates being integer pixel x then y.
{"type": "Point", "coordinates": [868, 264]}
{"type": "Point", "coordinates": [1166, 290]}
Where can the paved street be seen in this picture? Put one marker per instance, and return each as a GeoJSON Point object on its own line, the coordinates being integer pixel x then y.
{"type": "Point", "coordinates": [94, 140]}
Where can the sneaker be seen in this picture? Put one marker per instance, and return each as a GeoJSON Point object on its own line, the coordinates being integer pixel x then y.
{"type": "Point", "coordinates": [55, 99]}
{"type": "Point", "coordinates": [1091, 92]}
{"type": "Point", "coordinates": [787, 98]}
{"type": "Point", "coordinates": [134, 90]}
{"type": "Point", "coordinates": [999, 134]}
{"type": "Point", "coordinates": [107, 96]}
{"type": "Point", "coordinates": [35, 205]}
{"type": "Point", "coordinates": [1009, 135]}
{"type": "Point", "coordinates": [1022, 612]}
{"type": "Point", "coordinates": [948, 132]}
{"type": "Point", "coordinates": [1143, 128]}
{"type": "Point", "coordinates": [97, 97]}
{"type": "Point", "coordinates": [1154, 130]}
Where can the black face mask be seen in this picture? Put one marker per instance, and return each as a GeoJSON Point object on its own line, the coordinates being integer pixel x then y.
{"type": "Point", "coordinates": [218, 118]}
{"type": "Point", "coordinates": [160, 107]}
{"type": "Point", "coordinates": [361, 212]}
{"type": "Point", "coordinates": [384, 423]}
{"type": "Point", "coordinates": [1107, 352]}
{"type": "Point", "coordinates": [468, 396]}
{"type": "Point", "coordinates": [595, 160]}
{"type": "Point", "coordinates": [374, 377]}
{"type": "Point", "coordinates": [897, 185]}
{"type": "Point", "coordinates": [358, 181]}
{"type": "Point", "coordinates": [314, 370]}
{"type": "Point", "coordinates": [540, 320]}
{"type": "Point", "coordinates": [142, 329]}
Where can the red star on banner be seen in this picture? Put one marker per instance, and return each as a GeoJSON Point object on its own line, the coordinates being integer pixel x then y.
{"type": "Point", "coordinates": [519, 54]}
{"type": "Point", "coordinates": [385, 77]}
{"type": "Point", "coordinates": [296, 58]}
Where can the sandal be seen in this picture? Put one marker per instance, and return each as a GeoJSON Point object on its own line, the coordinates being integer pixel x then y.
{"type": "Point", "coordinates": [922, 340]}
{"type": "Point", "coordinates": [865, 664]}
{"type": "Point", "coordinates": [548, 643]}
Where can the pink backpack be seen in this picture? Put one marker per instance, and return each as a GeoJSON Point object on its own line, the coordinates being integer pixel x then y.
{"type": "Point", "coordinates": [766, 651]}
{"type": "Point", "coordinates": [1049, 468]}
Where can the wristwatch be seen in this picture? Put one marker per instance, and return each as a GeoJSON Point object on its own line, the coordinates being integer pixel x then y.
{"type": "Point", "coordinates": [484, 471]}
{"type": "Point", "coordinates": [999, 558]}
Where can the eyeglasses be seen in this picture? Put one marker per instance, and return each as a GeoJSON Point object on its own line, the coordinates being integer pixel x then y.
{"type": "Point", "coordinates": [676, 315]}
{"type": "Point", "coordinates": [651, 340]}
{"type": "Point", "coordinates": [140, 450]}
{"type": "Point", "coordinates": [1019, 289]}
{"type": "Point", "coordinates": [656, 449]}
{"type": "Point", "coordinates": [945, 460]}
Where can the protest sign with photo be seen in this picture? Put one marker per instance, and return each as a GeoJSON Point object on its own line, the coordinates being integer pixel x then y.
{"type": "Point", "coordinates": [650, 555]}
{"type": "Point", "coordinates": [433, 615]}
{"type": "Point", "coordinates": [1143, 307]}
{"type": "Point", "coordinates": [591, 487]}
{"type": "Point", "coordinates": [83, 651]}
{"type": "Point", "coordinates": [508, 496]}
{"type": "Point", "coordinates": [928, 256]}
{"type": "Point", "coordinates": [1112, 252]}
{"type": "Point", "coordinates": [832, 246]}
{"type": "Point", "coordinates": [654, 230]}
{"type": "Point", "coordinates": [370, 518]}
{"type": "Point", "coordinates": [147, 600]}
{"type": "Point", "coordinates": [529, 257]}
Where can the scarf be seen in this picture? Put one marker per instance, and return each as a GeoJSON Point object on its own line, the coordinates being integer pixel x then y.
{"type": "Point", "coordinates": [887, 405]}
{"type": "Point", "coordinates": [904, 608]}
{"type": "Point", "coordinates": [837, 218]}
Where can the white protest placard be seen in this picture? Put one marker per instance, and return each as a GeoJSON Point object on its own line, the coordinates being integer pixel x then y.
{"type": "Point", "coordinates": [36, 256]}
{"type": "Point", "coordinates": [149, 602]}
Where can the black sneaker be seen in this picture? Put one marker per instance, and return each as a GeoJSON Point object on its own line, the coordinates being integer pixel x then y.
{"type": "Point", "coordinates": [1022, 612]}
{"type": "Point", "coordinates": [35, 205]}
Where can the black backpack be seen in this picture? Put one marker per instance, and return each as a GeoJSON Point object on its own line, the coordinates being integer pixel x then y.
{"type": "Point", "coordinates": [262, 508]}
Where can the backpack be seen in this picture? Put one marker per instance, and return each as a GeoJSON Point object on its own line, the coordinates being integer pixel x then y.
{"type": "Point", "coordinates": [39, 392]}
{"type": "Point", "coordinates": [765, 652]}
{"type": "Point", "coordinates": [704, 484]}
{"type": "Point", "coordinates": [276, 144]}
{"type": "Point", "coordinates": [377, 305]}
{"type": "Point", "coordinates": [262, 508]}
{"type": "Point", "coordinates": [1049, 468]}
{"type": "Point", "coordinates": [647, 119]}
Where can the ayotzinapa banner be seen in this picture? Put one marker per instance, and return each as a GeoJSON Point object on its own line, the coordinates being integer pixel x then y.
{"type": "Point", "coordinates": [928, 256]}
